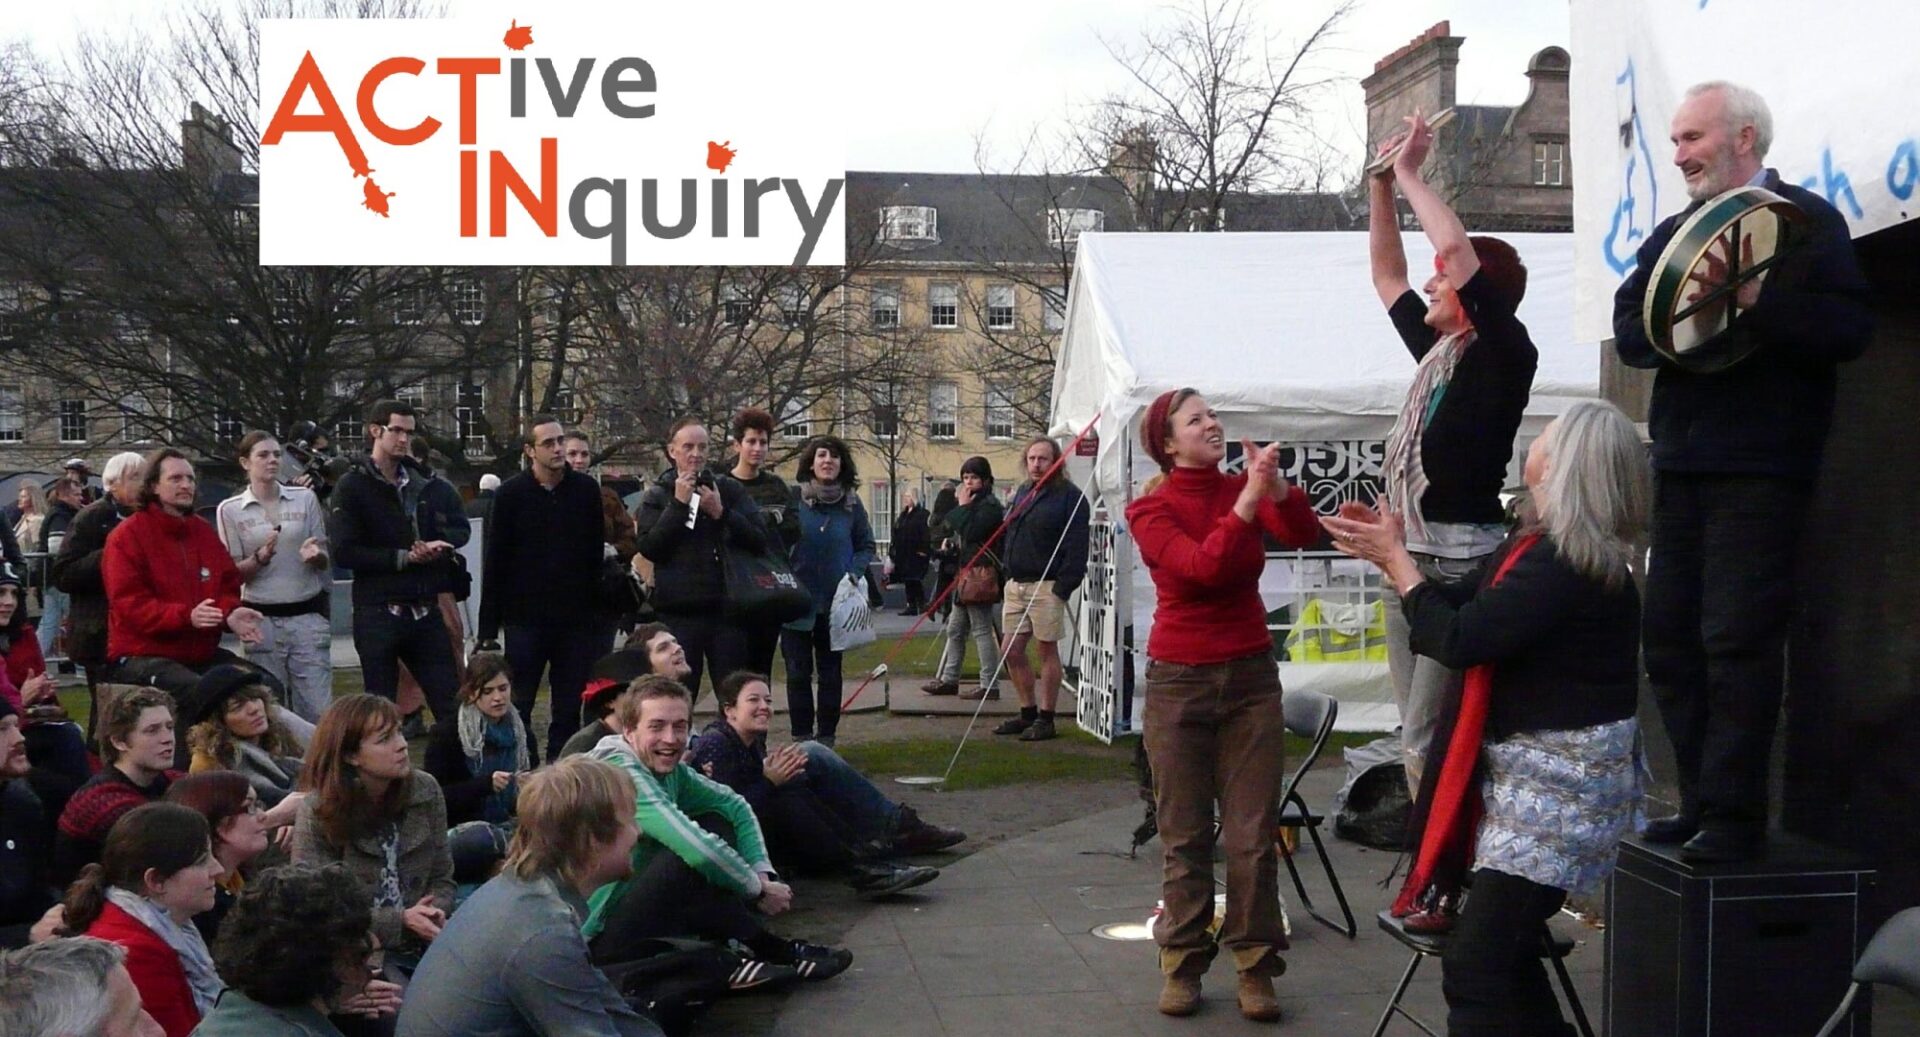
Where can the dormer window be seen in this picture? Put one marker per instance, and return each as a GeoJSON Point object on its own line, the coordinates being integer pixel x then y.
{"type": "Point", "coordinates": [1064, 226]}
{"type": "Point", "coordinates": [910, 223]}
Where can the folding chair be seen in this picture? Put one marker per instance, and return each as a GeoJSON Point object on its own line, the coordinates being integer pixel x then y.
{"type": "Point", "coordinates": [1553, 947]}
{"type": "Point", "coordinates": [1310, 715]}
{"type": "Point", "coordinates": [1892, 957]}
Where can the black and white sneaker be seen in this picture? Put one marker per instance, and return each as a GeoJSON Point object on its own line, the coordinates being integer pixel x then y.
{"type": "Point", "coordinates": [753, 973]}
{"type": "Point", "coordinates": [816, 962]}
{"type": "Point", "coordinates": [883, 879]}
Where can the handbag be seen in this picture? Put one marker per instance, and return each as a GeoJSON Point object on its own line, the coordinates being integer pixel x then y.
{"type": "Point", "coordinates": [760, 587]}
{"type": "Point", "coordinates": [979, 583]}
{"type": "Point", "coordinates": [851, 622]}
{"type": "Point", "coordinates": [621, 591]}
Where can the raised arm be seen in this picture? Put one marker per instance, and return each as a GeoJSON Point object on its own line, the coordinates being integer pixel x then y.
{"type": "Point", "coordinates": [1387, 255]}
{"type": "Point", "coordinates": [1444, 229]}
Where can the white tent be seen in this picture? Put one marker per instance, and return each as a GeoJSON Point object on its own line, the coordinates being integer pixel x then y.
{"type": "Point", "coordinates": [1286, 337]}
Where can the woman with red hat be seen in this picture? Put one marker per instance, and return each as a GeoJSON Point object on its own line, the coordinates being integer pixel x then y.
{"type": "Point", "coordinates": [1213, 720]}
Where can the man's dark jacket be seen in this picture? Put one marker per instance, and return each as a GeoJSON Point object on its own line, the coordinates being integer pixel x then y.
{"type": "Point", "coordinates": [76, 570]}
{"type": "Point", "coordinates": [543, 554]}
{"type": "Point", "coordinates": [372, 525]}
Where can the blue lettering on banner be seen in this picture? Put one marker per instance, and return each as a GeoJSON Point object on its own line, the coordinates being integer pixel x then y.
{"type": "Point", "coordinates": [1835, 184]}
{"type": "Point", "coordinates": [1904, 170]}
{"type": "Point", "coordinates": [1632, 215]}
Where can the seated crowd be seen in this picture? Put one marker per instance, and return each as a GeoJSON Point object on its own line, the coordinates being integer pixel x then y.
{"type": "Point", "coordinates": [207, 861]}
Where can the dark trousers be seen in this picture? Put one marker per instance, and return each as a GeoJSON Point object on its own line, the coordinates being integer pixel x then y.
{"type": "Point", "coordinates": [1492, 973]}
{"type": "Point", "coordinates": [713, 645]}
{"type": "Point", "coordinates": [670, 899]}
{"type": "Point", "coordinates": [804, 834]}
{"type": "Point", "coordinates": [762, 642]}
{"type": "Point", "coordinates": [803, 650]}
{"type": "Point", "coordinates": [1214, 733]}
{"type": "Point", "coordinates": [1719, 590]}
{"type": "Point", "coordinates": [564, 653]}
{"type": "Point", "coordinates": [916, 594]}
{"type": "Point", "coordinates": [385, 640]}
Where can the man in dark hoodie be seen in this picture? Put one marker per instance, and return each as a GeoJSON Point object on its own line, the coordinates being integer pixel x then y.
{"type": "Point", "coordinates": [378, 513]}
{"type": "Point", "coordinates": [76, 568]}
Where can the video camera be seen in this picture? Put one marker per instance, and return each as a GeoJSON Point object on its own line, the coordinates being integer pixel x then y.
{"type": "Point", "coordinates": [311, 460]}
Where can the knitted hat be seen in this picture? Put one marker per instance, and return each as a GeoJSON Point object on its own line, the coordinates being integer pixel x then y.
{"type": "Point", "coordinates": [1153, 427]}
{"type": "Point", "coordinates": [477, 848]}
{"type": "Point", "coordinates": [11, 577]}
{"type": "Point", "coordinates": [978, 466]}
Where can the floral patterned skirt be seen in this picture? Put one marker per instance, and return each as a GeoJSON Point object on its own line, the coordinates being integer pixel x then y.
{"type": "Point", "coordinates": [1559, 802]}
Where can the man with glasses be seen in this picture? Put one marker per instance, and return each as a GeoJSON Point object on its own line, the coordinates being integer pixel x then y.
{"type": "Point", "coordinates": [377, 513]}
{"type": "Point", "coordinates": [543, 563]}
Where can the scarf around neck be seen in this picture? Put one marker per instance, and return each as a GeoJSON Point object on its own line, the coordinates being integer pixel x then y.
{"type": "Point", "coordinates": [185, 940]}
{"type": "Point", "coordinates": [1406, 474]}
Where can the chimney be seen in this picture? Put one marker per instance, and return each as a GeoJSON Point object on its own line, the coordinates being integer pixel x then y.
{"type": "Point", "coordinates": [1130, 160]}
{"type": "Point", "coordinates": [206, 145]}
{"type": "Point", "coordinates": [1420, 75]}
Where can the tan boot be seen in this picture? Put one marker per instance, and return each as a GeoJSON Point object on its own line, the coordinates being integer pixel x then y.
{"type": "Point", "coordinates": [1256, 998]}
{"type": "Point", "coordinates": [1180, 995]}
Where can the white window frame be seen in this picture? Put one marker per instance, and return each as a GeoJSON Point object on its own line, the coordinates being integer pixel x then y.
{"type": "Point", "coordinates": [943, 303]}
{"type": "Point", "coordinates": [227, 426]}
{"type": "Point", "coordinates": [467, 300]}
{"type": "Point", "coordinates": [1053, 302]}
{"type": "Point", "coordinates": [884, 420]}
{"type": "Point", "coordinates": [72, 409]}
{"type": "Point", "coordinates": [137, 418]}
{"type": "Point", "coordinates": [1549, 163]}
{"type": "Point", "coordinates": [736, 308]}
{"type": "Point", "coordinates": [917, 223]}
{"type": "Point", "coordinates": [796, 420]}
{"type": "Point", "coordinates": [793, 304]}
{"type": "Point", "coordinates": [1002, 314]}
{"type": "Point", "coordinates": [999, 417]}
{"type": "Point", "coordinates": [943, 410]}
{"type": "Point", "coordinates": [13, 413]}
{"type": "Point", "coordinates": [884, 308]}
{"type": "Point", "coordinates": [470, 416]}
{"type": "Point", "coordinates": [1064, 226]}
{"type": "Point", "coordinates": [410, 305]}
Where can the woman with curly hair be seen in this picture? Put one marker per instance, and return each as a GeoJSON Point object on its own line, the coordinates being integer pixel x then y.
{"type": "Point", "coordinates": [479, 754]}
{"type": "Point", "coordinates": [232, 727]}
{"type": "Point", "coordinates": [156, 872]}
{"type": "Point", "coordinates": [232, 810]}
{"type": "Point", "coordinates": [296, 948]}
{"type": "Point", "coordinates": [367, 808]}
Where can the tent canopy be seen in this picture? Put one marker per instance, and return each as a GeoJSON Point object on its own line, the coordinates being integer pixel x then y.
{"type": "Point", "coordinates": [1282, 332]}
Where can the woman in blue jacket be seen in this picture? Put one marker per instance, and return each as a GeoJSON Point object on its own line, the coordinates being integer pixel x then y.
{"type": "Point", "coordinates": [836, 542]}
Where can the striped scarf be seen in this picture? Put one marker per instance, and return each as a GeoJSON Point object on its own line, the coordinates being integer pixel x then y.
{"type": "Point", "coordinates": [1406, 476]}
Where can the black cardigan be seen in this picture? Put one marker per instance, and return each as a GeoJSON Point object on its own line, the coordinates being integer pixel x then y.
{"type": "Point", "coordinates": [1564, 647]}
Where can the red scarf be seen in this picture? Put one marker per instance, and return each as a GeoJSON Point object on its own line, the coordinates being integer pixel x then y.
{"type": "Point", "coordinates": [1453, 818]}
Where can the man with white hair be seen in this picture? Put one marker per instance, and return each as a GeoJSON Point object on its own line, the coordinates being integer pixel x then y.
{"type": "Point", "coordinates": [76, 568]}
{"type": "Point", "coordinates": [1735, 452]}
{"type": "Point", "coordinates": [77, 987]}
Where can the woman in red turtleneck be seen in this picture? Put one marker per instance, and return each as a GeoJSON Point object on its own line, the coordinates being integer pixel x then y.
{"type": "Point", "coordinates": [1213, 694]}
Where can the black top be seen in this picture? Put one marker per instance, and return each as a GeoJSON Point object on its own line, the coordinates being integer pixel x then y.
{"type": "Point", "coordinates": [1046, 538]}
{"type": "Point", "coordinates": [687, 575]}
{"type": "Point", "coordinates": [775, 500]}
{"type": "Point", "coordinates": [543, 554]}
{"type": "Point", "coordinates": [446, 760]}
{"type": "Point", "coordinates": [372, 523]}
{"type": "Point", "coordinates": [1769, 413]}
{"type": "Point", "coordinates": [1468, 442]}
{"type": "Point", "coordinates": [1565, 648]}
{"type": "Point", "coordinates": [76, 570]}
{"type": "Point", "coordinates": [26, 887]}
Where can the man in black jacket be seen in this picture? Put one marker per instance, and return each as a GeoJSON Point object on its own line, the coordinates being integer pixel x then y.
{"type": "Point", "coordinates": [76, 569]}
{"type": "Point", "coordinates": [377, 514]}
{"type": "Point", "coordinates": [544, 548]}
{"type": "Point", "coordinates": [1046, 554]}
{"type": "Point", "coordinates": [1735, 452]}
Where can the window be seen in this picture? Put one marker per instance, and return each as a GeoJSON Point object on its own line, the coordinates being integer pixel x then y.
{"type": "Point", "coordinates": [348, 429]}
{"type": "Point", "coordinates": [793, 420]}
{"type": "Point", "coordinates": [915, 223]}
{"type": "Point", "coordinates": [943, 408]}
{"type": "Point", "coordinates": [1064, 226]}
{"type": "Point", "coordinates": [409, 305]}
{"type": "Point", "coordinates": [566, 406]}
{"type": "Point", "coordinates": [1549, 164]}
{"type": "Point", "coordinates": [943, 306]}
{"type": "Point", "coordinates": [999, 412]}
{"type": "Point", "coordinates": [1000, 306]}
{"type": "Point", "coordinates": [736, 307]}
{"type": "Point", "coordinates": [13, 414]}
{"type": "Point", "coordinates": [1056, 307]}
{"type": "Point", "coordinates": [467, 299]}
{"type": "Point", "coordinates": [470, 417]}
{"type": "Point", "coordinates": [413, 395]}
{"type": "Point", "coordinates": [793, 304]}
{"type": "Point", "coordinates": [886, 420]}
{"type": "Point", "coordinates": [73, 421]}
{"type": "Point", "coordinates": [886, 307]}
{"type": "Point", "coordinates": [288, 302]}
{"type": "Point", "coordinates": [226, 425]}
{"type": "Point", "coordinates": [138, 418]}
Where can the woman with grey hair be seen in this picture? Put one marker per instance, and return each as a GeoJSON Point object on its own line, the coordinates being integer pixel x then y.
{"type": "Point", "coordinates": [1540, 775]}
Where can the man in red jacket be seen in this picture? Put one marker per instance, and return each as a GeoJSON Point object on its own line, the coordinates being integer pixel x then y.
{"type": "Point", "coordinates": [172, 588]}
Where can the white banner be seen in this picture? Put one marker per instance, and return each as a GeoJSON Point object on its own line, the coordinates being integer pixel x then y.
{"type": "Point", "coordinates": [1841, 80]}
{"type": "Point", "coordinates": [647, 134]}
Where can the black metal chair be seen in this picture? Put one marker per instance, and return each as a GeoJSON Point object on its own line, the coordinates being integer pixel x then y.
{"type": "Point", "coordinates": [1310, 715]}
{"type": "Point", "coordinates": [1892, 957]}
{"type": "Point", "coordinates": [1553, 946]}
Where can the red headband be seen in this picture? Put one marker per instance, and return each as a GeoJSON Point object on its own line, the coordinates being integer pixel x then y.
{"type": "Point", "coordinates": [1153, 429]}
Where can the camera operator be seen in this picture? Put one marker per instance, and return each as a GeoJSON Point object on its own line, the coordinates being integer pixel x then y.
{"type": "Point", "coordinates": [309, 459]}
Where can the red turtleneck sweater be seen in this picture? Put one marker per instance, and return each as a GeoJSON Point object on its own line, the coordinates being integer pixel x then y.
{"type": "Point", "coordinates": [158, 566]}
{"type": "Point", "coordinates": [1206, 563]}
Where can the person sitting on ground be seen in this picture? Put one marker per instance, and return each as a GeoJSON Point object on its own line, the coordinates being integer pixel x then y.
{"type": "Point", "coordinates": [233, 728]}
{"type": "Point", "coordinates": [26, 859]}
{"type": "Point", "coordinates": [477, 849]}
{"type": "Point", "coordinates": [819, 815]}
{"type": "Point", "coordinates": [297, 947]}
{"type": "Point", "coordinates": [479, 753]}
{"type": "Point", "coordinates": [514, 961]}
{"type": "Point", "coordinates": [71, 986]}
{"type": "Point", "coordinates": [136, 744]}
{"type": "Point", "coordinates": [156, 873]}
{"type": "Point", "coordinates": [688, 880]}
{"type": "Point", "coordinates": [652, 648]}
{"type": "Point", "coordinates": [368, 808]}
{"type": "Point", "coordinates": [55, 746]}
{"type": "Point", "coordinates": [239, 829]}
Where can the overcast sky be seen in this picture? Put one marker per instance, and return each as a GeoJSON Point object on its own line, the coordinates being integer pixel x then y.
{"type": "Point", "coordinates": [943, 75]}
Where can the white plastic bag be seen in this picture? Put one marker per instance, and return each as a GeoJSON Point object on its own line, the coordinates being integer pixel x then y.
{"type": "Point", "coordinates": [851, 622]}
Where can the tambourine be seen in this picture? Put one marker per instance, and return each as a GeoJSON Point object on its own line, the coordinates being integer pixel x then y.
{"type": "Point", "coordinates": [1688, 313]}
